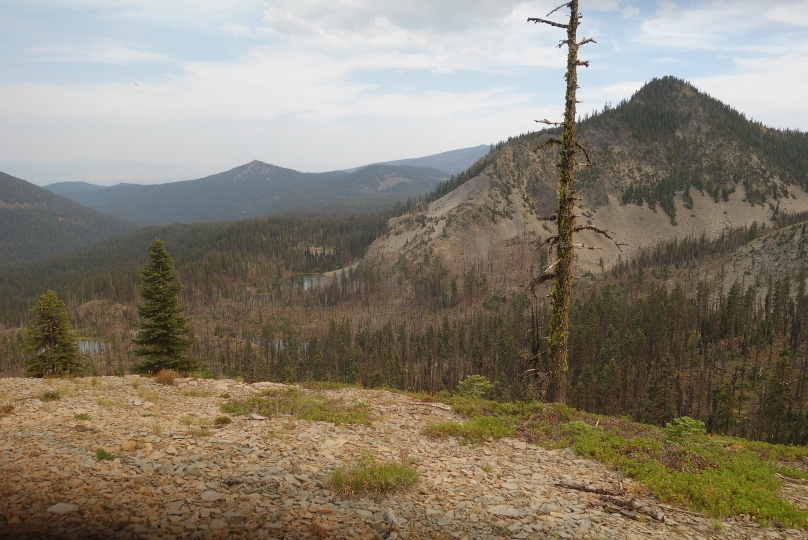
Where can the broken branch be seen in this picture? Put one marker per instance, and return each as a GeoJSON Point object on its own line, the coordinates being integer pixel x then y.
{"type": "Point", "coordinates": [552, 240]}
{"type": "Point", "coordinates": [635, 505]}
{"type": "Point", "coordinates": [559, 7]}
{"type": "Point", "coordinates": [551, 23]}
{"type": "Point", "coordinates": [600, 231]}
{"type": "Point", "coordinates": [585, 41]}
{"type": "Point", "coordinates": [586, 153]}
{"type": "Point", "coordinates": [548, 122]}
{"type": "Point", "coordinates": [539, 280]}
{"type": "Point", "coordinates": [587, 489]}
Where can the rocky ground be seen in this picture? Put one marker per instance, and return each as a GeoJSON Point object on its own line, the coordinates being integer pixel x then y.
{"type": "Point", "coordinates": [269, 477]}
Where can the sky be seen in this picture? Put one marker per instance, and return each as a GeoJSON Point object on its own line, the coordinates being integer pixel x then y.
{"type": "Point", "coordinates": [201, 86]}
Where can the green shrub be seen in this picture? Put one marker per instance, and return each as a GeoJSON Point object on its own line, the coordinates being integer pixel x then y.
{"type": "Point", "coordinates": [51, 395]}
{"type": "Point", "coordinates": [684, 428]}
{"type": "Point", "coordinates": [102, 454]}
{"type": "Point", "coordinates": [81, 416]}
{"type": "Point", "coordinates": [222, 420]}
{"type": "Point", "coordinates": [474, 386]}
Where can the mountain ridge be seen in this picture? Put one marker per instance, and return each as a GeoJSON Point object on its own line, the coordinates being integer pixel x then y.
{"type": "Point", "coordinates": [263, 189]}
{"type": "Point", "coordinates": [35, 223]}
{"type": "Point", "coordinates": [668, 163]}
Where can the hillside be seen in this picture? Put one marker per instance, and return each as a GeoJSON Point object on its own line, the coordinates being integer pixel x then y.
{"type": "Point", "coordinates": [271, 247]}
{"type": "Point", "coordinates": [258, 189]}
{"type": "Point", "coordinates": [169, 470]}
{"type": "Point", "coordinates": [451, 162]}
{"type": "Point", "coordinates": [35, 223]}
{"type": "Point", "coordinates": [668, 163]}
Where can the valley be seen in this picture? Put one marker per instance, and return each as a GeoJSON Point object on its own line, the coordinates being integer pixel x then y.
{"type": "Point", "coordinates": [697, 309]}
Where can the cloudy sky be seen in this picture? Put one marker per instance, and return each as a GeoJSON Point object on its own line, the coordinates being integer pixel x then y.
{"type": "Point", "coordinates": [328, 84]}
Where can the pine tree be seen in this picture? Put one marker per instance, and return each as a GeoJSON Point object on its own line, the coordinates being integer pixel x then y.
{"type": "Point", "coordinates": [51, 337]}
{"type": "Point", "coordinates": [165, 334]}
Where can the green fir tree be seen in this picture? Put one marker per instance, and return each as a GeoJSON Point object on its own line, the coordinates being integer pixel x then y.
{"type": "Point", "coordinates": [51, 337]}
{"type": "Point", "coordinates": [165, 333]}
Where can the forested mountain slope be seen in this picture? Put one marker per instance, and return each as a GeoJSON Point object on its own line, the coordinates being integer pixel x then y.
{"type": "Point", "coordinates": [259, 251]}
{"type": "Point", "coordinates": [36, 223]}
{"type": "Point", "coordinates": [258, 189]}
{"type": "Point", "coordinates": [668, 163]}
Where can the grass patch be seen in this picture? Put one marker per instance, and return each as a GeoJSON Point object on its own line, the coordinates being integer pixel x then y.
{"type": "Point", "coordinates": [369, 475]}
{"type": "Point", "coordinates": [107, 403]}
{"type": "Point", "coordinates": [201, 431]}
{"type": "Point", "coordinates": [222, 420]}
{"type": "Point", "coordinates": [303, 405]}
{"type": "Point", "coordinates": [324, 385]}
{"type": "Point", "coordinates": [486, 468]}
{"type": "Point", "coordinates": [6, 409]}
{"type": "Point", "coordinates": [476, 429]}
{"type": "Point", "coordinates": [81, 416]}
{"type": "Point", "coordinates": [157, 428]}
{"type": "Point", "coordinates": [102, 454]}
{"type": "Point", "coordinates": [145, 395]}
{"type": "Point", "coordinates": [50, 395]}
{"type": "Point", "coordinates": [195, 392]}
{"type": "Point", "coordinates": [679, 464]}
{"type": "Point", "coordinates": [187, 420]}
{"type": "Point", "coordinates": [166, 377]}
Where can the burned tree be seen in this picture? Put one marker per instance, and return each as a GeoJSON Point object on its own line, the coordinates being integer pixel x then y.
{"type": "Point", "coordinates": [561, 270]}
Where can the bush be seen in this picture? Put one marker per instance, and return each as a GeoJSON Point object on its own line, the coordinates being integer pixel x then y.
{"type": "Point", "coordinates": [222, 421]}
{"type": "Point", "coordinates": [104, 455]}
{"type": "Point", "coordinates": [166, 377]}
{"type": "Point", "coordinates": [6, 409]}
{"type": "Point", "coordinates": [474, 386]}
{"type": "Point", "coordinates": [51, 395]}
{"type": "Point", "coordinates": [683, 428]}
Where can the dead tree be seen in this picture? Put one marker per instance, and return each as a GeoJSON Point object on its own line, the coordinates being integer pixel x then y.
{"type": "Point", "coordinates": [561, 270]}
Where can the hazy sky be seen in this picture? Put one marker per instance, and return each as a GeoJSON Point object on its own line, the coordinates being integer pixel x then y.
{"type": "Point", "coordinates": [327, 84]}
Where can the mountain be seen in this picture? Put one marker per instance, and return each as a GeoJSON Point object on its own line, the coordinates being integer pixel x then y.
{"type": "Point", "coordinates": [259, 189]}
{"type": "Point", "coordinates": [668, 163]}
{"type": "Point", "coordinates": [451, 162]}
{"type": "Point", "coordinates": [35, 222]}
{"type": "Point", "coordinates": [68, 188]}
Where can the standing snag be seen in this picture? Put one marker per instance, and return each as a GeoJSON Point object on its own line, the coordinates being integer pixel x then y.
{"type": "Point", "coordinates": [165, 333]}
{"type": "Point", "coordinates": [561, 270]}
{"type": "Point", "coordinates": [51, 337]}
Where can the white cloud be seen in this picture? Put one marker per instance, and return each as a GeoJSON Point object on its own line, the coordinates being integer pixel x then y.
{"type": "Point", "coordinates": [238, 29]}
{"type": "Point", "coordinates": [101, 53]}
{"type": "Point", "coordinates": [770, 89]}
{"type": "Point", "coordinates": [629, 11]}
{"type": "Point", "coordinates": [795, 13]}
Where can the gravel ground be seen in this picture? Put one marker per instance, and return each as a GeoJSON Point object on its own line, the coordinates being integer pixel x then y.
{"type": "Point", "coordinates": [269, 477]}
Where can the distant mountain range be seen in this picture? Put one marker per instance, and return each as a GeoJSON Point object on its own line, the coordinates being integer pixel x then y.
{"type": "Point", "coordinates": [35, 222]}
{"type": "Point", "coordinates": [257, 189]}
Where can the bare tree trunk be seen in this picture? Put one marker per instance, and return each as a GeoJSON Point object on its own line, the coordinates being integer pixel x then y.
{"type": "Point", "coordinates": [565, 218]}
